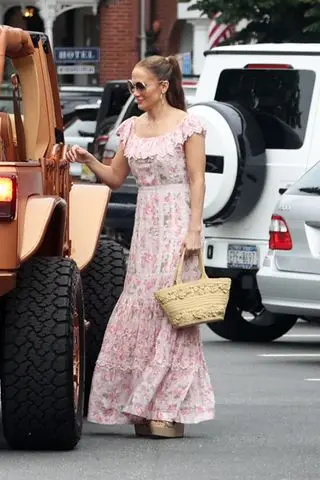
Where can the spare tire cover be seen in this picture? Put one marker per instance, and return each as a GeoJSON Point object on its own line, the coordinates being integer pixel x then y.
{"type": "Point", "coordinates": [233, 140]}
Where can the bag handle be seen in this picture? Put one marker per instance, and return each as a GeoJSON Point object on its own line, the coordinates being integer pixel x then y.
{"type": "Point", "coordinates": [178, 277]}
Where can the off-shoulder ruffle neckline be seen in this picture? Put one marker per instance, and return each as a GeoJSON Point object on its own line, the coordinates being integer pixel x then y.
{"type": "Point", "coordinates": [170, 132]}
{"type": "Point", "coordinates": [165, 145]}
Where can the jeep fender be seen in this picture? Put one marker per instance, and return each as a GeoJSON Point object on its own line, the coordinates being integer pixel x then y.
{"type": "Point", "coordinates": [43, 214]}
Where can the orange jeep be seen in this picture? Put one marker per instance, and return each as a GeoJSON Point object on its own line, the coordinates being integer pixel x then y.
{"type": "Point", "coordinates": [55, 268]}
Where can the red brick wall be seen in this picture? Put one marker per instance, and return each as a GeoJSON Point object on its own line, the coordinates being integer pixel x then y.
{"type": "Point", "coordinates": [175, 37]}
{"type": "Point", "coordinates": [119, 35]}
{"type": "Point", "coordinates": [119, 30]}
{"type": "Point", "coordinates": [166, 13]}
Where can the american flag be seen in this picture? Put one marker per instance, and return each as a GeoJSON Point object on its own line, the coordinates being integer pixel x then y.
{"type": "Point", "coordinates": [219, 32]}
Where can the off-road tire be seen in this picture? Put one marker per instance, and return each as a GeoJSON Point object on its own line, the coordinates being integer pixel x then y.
{"type": "Point", "coordinates": [102, 283]}
{"type": "Point", "coordinates": [37, 382]}
{"type": "Point", "coordinates": [265, 327]}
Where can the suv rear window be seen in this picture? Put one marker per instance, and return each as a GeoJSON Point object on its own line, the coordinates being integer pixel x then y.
{"type": "Point", "coordinates": [278, 99]}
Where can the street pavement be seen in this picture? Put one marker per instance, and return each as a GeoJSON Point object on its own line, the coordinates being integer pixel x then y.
{"type": "Point", "coordinates": [267, 425]}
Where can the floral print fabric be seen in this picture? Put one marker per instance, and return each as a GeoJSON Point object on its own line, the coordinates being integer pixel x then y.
{"type": "Point", "coordinates": [146, 368]}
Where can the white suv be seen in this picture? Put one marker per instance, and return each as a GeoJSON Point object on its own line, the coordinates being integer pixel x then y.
{"type": "Point", "coordinates": [260, 104]}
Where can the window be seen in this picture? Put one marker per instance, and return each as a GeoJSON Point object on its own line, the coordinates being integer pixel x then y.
{"type": "Point", "coordinates": [6, 98]}
{"type": "Point", "coordinates": [278, 99]}
{"type": "Point", "coordinates": [308, 184]}
{"type": "Point", "coordinates": [80, 128]}
{"type": "Point", "coordinates": [6, 104]}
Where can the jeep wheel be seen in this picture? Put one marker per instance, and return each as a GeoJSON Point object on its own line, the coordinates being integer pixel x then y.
{"type": "Point", "coordinates": [102, 286]}
{"type": "Point", "coordinates": [42, 382]}
{"type": "Point", "coordinates": [246, 320]}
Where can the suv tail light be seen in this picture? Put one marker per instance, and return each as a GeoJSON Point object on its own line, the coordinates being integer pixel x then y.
{"type": "Point", "coordinates": [8, 196]}
{"type": "Point", "coordinates": [279, 235]}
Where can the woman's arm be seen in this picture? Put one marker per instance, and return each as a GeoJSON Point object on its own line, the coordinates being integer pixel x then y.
{"type": "Point", "coordinates": [196, 163]}
{"type": "Point", "coordinates": [112, 175]}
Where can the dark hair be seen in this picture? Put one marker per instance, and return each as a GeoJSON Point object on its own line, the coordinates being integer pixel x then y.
{"type": "Point", "coordinates": [167, 69]}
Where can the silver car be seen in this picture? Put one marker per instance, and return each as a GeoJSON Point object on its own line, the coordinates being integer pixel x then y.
{"type": "Point", "coordinates": [289, 280]}
{"type": "Point", "coordinates": [80, 130]}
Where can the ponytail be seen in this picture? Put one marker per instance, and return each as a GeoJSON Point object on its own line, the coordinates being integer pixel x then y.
{"type": "Point", "coordinates": [167, 68]}
{"type": "Point", "coordinates": [175, 93]}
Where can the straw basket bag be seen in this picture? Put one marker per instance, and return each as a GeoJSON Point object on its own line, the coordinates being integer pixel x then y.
{"type": "Point", "coordinates": [191, 303]}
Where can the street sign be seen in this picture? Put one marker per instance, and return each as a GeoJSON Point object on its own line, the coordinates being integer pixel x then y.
{"type": "Point", "coordinates": [77, 55]}
{"type": "Point", "coordinates": [76, 69]}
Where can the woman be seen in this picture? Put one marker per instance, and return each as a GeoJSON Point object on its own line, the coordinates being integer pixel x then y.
{"type": "Point", "coordinates": [148, 373]}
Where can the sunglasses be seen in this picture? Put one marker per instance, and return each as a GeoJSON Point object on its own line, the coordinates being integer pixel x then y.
{"type": "Point", "coordinates": [136, 86]}
{"type": "Point", "coordinates": [139, 86]}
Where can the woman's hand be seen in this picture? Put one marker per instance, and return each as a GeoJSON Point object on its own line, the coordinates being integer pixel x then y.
{"type": "Point", "coordinates": [192, 242]}
{"type": "Point", "coordinates": [80, 155]}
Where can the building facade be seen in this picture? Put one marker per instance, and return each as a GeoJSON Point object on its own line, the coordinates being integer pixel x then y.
{"type": "Point", "coordinates": [117, 27]}
{"type": "Point", "coordinates": [121, 30]}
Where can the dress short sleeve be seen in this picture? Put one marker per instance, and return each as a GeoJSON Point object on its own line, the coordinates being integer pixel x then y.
{"type": "Point", "coordinates": [124, 130]}
{"type": "Point", "coordinates": [191, 125]}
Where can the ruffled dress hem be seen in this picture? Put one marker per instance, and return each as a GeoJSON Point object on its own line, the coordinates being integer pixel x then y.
{"type": "Point", "coordinates": [130, 416]}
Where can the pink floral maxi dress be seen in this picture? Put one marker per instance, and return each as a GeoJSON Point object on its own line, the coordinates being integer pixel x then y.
{"type": "Point", "coordinates": [146, 369]}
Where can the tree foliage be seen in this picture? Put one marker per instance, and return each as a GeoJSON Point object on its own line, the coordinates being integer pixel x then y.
{"type": "Point", "coordinates": [268, 20]}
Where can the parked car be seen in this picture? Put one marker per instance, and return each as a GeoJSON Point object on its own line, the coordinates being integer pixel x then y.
{"type": "Point", "coordinates": [114, 97]}
{"type": "Point", "coordinates": [80, 130]}
{"type": "Point", "coordinates": [55, 271]}
{"type": "Point", "coordinates": [259, 103]}
{"type": "Point", "coordinates": [289, 280]}
{"type": "Point", "coordinates": [71, 96]}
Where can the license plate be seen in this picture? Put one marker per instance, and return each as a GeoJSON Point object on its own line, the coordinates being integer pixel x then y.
{"type": "Point", "coordinates": [243, 256]}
